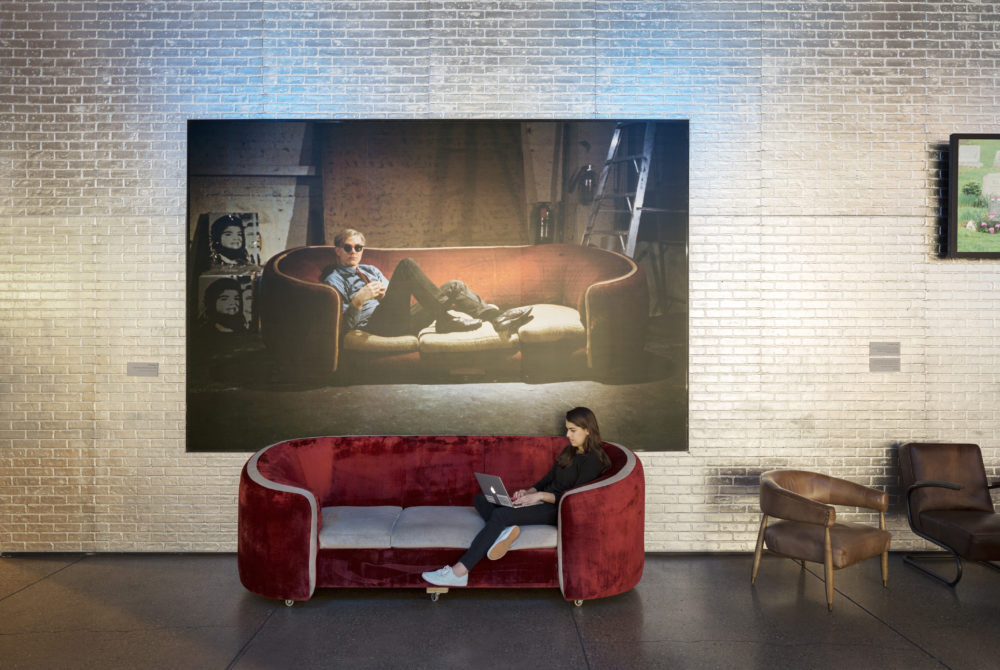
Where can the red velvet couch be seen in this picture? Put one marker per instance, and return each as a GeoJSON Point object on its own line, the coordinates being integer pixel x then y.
{"type": "Point", "coordinates": [590, 314]}
{"type": "Point", "coordinates": [293, 493]}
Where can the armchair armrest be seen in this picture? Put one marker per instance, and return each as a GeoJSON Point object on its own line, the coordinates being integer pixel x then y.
{"type": "Point", "coordinates": [784, 504]}
{"type": "Point", "coordinates": [601, 534]}
{"type": "Point", "coordinates": [844, 492]}
{"type": "Point", "coordinates": [278, 536]}
{"type": "Point", "coordinates": [933, 483]}
{"type": "Point", "coordinates": [780, 497]}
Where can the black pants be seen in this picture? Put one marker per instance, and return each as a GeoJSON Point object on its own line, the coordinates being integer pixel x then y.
{"type": "Point", "coordinates": [395, 316]}
{"type": "Point", "coordinates": [497, 518]}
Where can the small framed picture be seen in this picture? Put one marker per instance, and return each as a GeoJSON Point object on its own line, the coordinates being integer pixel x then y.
{"type": "Point", "coordinates": [974, 196]}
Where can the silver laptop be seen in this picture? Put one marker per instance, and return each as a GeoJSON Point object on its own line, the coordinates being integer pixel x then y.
{"type": "Point", "coordinates": [495, 492]}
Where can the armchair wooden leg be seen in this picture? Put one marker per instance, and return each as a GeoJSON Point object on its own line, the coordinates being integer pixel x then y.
{"type": "Point", "coordinates": [885, 554]}
{"type": "Point", "coordinates": [760, 546]}
{"type": "Point", "coordinates": [828, 569]}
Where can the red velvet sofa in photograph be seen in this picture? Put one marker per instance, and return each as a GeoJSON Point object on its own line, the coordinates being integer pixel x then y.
{"type": "Point", "coordinates": [590, 312]}
{"type": "Point", "coordinates": [376, 511]}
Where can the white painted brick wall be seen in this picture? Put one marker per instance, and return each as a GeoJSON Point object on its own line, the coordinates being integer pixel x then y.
{"type": "Point", "coordinates": [814, 127]}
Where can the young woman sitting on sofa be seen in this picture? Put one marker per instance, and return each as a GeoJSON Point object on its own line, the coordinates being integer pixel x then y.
{"type": "Point", "coordinates": [582, 461]}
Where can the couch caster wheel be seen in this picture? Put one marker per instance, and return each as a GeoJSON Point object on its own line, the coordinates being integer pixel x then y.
{"type": "Point", "coordinates": [436, 591]}
{"type": "Point", "coordinates": [289, 603]}
{"type": "Point", "coordinates": [578, 603]}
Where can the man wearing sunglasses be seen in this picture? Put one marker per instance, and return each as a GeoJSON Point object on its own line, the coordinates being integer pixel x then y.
{"type": "Point", "coordinates": [382, 307]}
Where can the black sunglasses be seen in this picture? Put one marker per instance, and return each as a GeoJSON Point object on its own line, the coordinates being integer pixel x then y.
{"type": "Point", "coordinates": [356, 247]}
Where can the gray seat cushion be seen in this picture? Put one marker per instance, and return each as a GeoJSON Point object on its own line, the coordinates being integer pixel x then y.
{"type": "Point", "coordinates": [436, 526]}
{"type": "Point", "coordinates": [357, 527]}
{"type": "Point", "coordinates": [455, 527]}
{"type": "Point", "coordinates": [541, 536]}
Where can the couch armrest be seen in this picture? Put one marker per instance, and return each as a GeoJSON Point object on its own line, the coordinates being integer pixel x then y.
{"type": "Point", "coordinates": [300, 320]}
{"type": "Point", "coordinates": [278, 536]}
{"type": "Point", "coordinates": [601, 534]}
{"type": "Point", "coordinates": [616, 314]}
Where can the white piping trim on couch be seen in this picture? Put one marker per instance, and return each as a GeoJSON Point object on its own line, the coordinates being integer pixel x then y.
{"type": "Point", "coordinates": [586, 295]}
{"type": "Point", "coordinates": [617, 477]}
{"type": "Point", "coordinates": [261, 480]}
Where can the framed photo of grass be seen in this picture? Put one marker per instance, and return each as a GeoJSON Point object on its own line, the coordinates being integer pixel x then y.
{"type": "Point", "coordinates": [974, 196]}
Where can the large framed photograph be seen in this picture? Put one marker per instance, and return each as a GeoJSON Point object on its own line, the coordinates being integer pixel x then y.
{"type": "Point", "coordinates": [457, 277]}
{"type": "Point", "coordinates": [974, 196]}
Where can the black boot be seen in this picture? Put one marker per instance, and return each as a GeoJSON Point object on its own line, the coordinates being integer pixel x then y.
{"type": "Point", "coordinates": [513, 318]}
{"type": "Point", "coordinates": [456, 322]}
{"type": "Point", "coordinates": [461, 299]}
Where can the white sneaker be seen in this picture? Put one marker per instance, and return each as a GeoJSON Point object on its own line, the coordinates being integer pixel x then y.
{"type": "Point", "coordinates": [500, 547]}
{"type": "Point", "coordinates": [445, 577]}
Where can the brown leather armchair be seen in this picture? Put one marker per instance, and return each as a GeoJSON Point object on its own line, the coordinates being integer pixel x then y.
{"type": "Point", "coordinates": [948, 502]}
{"type": "Point", "coordinates": [806, 526]}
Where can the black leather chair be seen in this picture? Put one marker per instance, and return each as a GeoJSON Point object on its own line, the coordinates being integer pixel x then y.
{"type": "Point", "coordinates": [948, 502]}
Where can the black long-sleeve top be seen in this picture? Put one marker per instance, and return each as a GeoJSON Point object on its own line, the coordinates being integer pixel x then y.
{"type": "Point", "coordinates": [582, 469]}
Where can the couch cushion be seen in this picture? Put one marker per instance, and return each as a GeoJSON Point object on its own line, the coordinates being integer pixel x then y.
{"type": "Point", "coordinates": [551, 323]}
{"type": "Point", "coordinates": [455, 527]}
{"type": "Point", "coordinates": [346, 527]}
{"type": "Point", "coordinates": [359, 340]}
{"type": "Point", "coordinates": [540, 536]}
{"type": "Point", "coordinates": [484, 338]}
{"type": "Point", "coordinates": [436, 526]}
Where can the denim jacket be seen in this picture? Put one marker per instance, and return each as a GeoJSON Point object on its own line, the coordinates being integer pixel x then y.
{"type": "Point", "coordinates": [347, 282]}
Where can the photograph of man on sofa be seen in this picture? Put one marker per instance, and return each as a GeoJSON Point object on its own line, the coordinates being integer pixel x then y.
{"type": "Point", "coordinates": [495, 301]}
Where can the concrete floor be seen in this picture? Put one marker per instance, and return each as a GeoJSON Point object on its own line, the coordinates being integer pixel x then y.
{"type": "Point", "coordinates": [689, 611]}
{"type": "Point", "coordinates": [242, 410]}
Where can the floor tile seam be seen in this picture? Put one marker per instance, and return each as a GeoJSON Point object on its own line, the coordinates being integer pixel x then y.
{"type": "Point", "coordinates": [882, 621]}
{"type": "Point", "coordinates": [246, 646]}
{"type": "Point", "coordinates": [119, 631]}
{"type": "Point", "coordinates": [41, 579]}
{"type": "Point", "coordinates": [579, 636]}
{"type": "Point", "coordinates": [758, 641]}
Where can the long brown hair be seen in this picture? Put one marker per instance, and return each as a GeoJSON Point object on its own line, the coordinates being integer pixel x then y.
{"type": "Point", "coordinates": [582, 417]}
